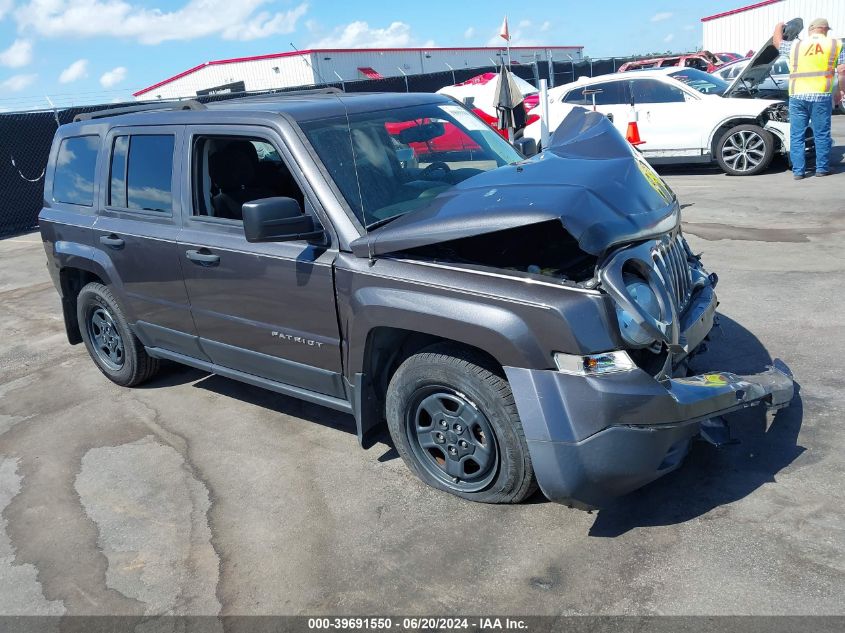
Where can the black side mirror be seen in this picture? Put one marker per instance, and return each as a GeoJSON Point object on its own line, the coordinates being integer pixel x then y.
{"type": "Point", "coordinates": [526, 146]}
{"type": "Point", "coordinates": [278, 220]}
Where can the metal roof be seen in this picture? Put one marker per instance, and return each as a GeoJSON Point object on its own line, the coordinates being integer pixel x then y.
{"type": "Point", "coordinates": [320, 51]}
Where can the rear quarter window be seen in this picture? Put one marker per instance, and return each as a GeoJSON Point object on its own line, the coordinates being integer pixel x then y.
{"type": "Point", "coordinates": [73, 181]}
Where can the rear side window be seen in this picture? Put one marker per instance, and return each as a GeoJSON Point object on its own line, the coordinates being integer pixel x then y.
{"type": "Point", "coordinates": [73, 182]}
{"type": "Point", "coordinates": [142, 172]}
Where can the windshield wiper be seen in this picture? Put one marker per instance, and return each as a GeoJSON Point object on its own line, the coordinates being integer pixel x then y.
{"type": "Point", "coordinates": [383, 221]}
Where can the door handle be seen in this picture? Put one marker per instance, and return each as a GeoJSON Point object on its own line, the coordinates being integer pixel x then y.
{"type": "Point", "coordinates": [203, 257]}
{"type": "Point", "coordinates": [112, 241]}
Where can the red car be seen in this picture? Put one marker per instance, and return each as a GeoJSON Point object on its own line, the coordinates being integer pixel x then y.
{"type": "Point", "coordinates": [727, 58]}
{"type": "Point", "coordinates": [703, 60]}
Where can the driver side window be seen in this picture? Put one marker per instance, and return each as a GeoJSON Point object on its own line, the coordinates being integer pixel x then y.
{"type": "Point", "coordinates": [229, 171]}
{"type": "Point", "coordinates": [653, 91]}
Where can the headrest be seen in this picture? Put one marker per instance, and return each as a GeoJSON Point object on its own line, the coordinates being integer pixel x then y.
{"type": "Point", "coordinates": [233, 165]}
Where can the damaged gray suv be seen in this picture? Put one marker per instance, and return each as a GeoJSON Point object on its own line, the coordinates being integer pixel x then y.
{"type": "Point", "coordinates": [512, 321]}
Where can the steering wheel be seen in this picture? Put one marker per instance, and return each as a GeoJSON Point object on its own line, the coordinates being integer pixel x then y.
{"type": "Point", "coordinates": [429, 172]}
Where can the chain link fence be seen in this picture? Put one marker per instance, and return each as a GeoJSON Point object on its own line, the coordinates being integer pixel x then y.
{"type": "Point", "coordinates": [25, 137]}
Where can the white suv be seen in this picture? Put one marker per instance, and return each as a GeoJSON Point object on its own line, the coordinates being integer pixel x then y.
{"type": "Point", "coordinates": [685, 116]}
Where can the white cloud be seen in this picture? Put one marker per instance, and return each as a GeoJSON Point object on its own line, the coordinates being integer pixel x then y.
{"type": "Point", "coordinates": [113, 77]}
{"type": "Point", "coordinates": [359, 35]}
{"type": "Point", "coordinates": [469, 33]}
{"type": "Point", "coordinates": [16, 83]}
{"type": "Point", "coordinates": [77, 70]}
{"type": "Point", "coordinates": [265, 24]}
{"type": "Point", "coordinates": [231, 19]}
{"type": "Point", "coordinates": [669, 38]}
{"type": "Point", "coordinates": [689, 27]}
{"type": "Point", "coordinates": [546, 26]}
{"type": "Point", "coordinates": [660, 17]}
{"type": "Point", "coordinates": [524, 24]}
{"type": "Point", "coordinates": [5, 7]}
{"type": "Point", "coordinates": [17, 55]}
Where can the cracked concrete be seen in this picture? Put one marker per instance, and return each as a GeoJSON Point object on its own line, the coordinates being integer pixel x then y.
{"type": "Point", "coordinates": [199, 495]}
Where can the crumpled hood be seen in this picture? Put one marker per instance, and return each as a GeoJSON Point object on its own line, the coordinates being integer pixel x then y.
{"type": "Point", "coordinates": [590, 179]}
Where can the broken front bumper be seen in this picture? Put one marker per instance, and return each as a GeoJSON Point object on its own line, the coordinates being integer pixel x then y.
{"type": "Point", "coordinates": [594, 438]}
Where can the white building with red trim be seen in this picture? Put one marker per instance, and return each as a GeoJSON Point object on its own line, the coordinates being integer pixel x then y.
{"type": "Point", "coordinates": [309, 67]}
{"type": "Point", "coordinates": [747, 28]}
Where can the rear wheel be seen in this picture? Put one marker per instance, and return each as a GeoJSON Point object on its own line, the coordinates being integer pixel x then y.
{"type": "Point", "coordinates": [113, 347]}
{"type": "Point", "coordinates": [453, 420]}
{"type": "Point", "coordinates": [745, 150]}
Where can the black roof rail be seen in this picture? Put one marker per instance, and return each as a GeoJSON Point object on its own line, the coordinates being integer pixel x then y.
{"type": "Point", "coordinates": [330, 90]}
{"type": "Point", "coordinates": [190, 104]}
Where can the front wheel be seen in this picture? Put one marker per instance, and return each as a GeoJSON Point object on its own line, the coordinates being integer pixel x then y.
{"type": "Point", "coordinates": [453, 420]}
{"type": "Point", "coordinates": [745, 150]}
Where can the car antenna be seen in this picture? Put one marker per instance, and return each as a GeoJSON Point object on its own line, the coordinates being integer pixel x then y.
{"type": "Point", "coordinates": [315, 71]}
{"type": "Point", "coordinates": [370, 246]}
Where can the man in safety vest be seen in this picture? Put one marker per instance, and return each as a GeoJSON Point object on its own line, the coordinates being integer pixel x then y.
{"type": "Point", "coordinates": [813, 63]}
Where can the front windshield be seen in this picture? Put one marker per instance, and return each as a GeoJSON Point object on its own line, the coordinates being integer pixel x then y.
{"type": "Point", "coordinates": [391, 162]}
{"type": "Point", "coordinates": [701, 81]}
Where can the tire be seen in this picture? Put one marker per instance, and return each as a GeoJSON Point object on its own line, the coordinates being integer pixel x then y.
{"type": "Point", "coordinates": [745, 150]}
{"type": "Point", "coordinates": [113, 347]}
{"type": "Point", "coordinates": [461, 397]}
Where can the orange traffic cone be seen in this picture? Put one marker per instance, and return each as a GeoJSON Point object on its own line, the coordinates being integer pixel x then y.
{"type": "Point", "coordinates": [633, 132]}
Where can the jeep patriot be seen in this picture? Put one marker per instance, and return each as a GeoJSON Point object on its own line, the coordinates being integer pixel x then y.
{"type": "Point", "coordinates": [513, 322]}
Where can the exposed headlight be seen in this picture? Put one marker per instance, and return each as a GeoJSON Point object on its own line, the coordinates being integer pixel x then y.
{"type": "Point", "coordinates": [643, 296]}
{"type": "Point", "coordinates": [594, 364]}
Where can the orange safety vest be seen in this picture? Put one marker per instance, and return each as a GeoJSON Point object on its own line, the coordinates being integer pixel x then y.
{"type": "Point", "coordinates": [813, 65]}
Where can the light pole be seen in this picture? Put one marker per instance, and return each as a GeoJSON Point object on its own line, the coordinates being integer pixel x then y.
{"type": "Point", "coordinates": [405, 75]}
{"type": "Point", "coordinates": [453, 72]}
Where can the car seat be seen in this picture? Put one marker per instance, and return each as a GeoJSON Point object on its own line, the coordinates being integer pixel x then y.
{"type": "Point", "coordinates": [233, 170]}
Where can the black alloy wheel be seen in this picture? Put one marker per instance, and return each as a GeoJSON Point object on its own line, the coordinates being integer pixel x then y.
{"type": "Point", "coordinates": [452, 439]}
{"type": "Point", "coordinates": [105, 338]}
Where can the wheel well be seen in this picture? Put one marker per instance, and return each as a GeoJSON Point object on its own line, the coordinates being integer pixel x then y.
{"type": "Point", "coordinates": [386, 349]}
{"type": "Point", "coordinates": [72, 280]}
{"type": "Point", "coordinates": [717, 135]}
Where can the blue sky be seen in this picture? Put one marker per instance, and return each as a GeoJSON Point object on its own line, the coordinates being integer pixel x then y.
{"type": "Point", "coordinates": [86, 51]}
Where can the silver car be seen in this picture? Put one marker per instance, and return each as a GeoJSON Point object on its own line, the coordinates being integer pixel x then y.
{"type": "Point", "coordinates": [776, 85]}
{"type": "Point", "coordinates": [776, 82]}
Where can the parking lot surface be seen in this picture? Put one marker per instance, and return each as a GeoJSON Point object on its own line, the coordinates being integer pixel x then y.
{"type": "Point", "coordinates": [199, 495]}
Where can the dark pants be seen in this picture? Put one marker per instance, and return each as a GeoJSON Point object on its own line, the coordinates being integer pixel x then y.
{"type": "Point", "coordinates": [801, 114]}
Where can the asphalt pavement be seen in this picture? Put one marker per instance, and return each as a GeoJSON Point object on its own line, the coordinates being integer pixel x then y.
{"type": "Point", "coordinates": [199, 495]}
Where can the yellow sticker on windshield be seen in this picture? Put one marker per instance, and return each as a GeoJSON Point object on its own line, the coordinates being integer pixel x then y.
{"type": "Point", "coordinates": [715, 380]}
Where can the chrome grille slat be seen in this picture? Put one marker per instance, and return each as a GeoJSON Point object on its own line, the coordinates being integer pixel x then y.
{"type": "Point", "coordinates": [672, 265]}
{"type": "Point", "coordinates": [679, 269]}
